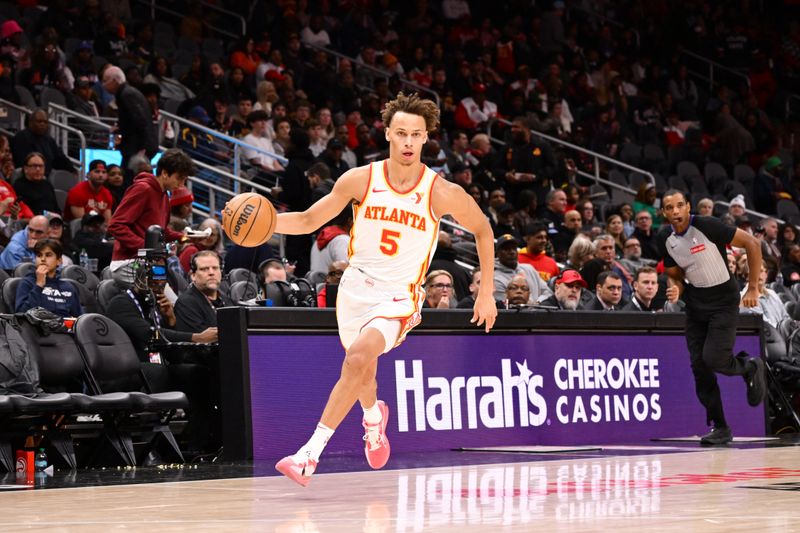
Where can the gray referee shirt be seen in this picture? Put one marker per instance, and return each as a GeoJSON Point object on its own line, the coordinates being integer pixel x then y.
{"type": "Point", "coordinates": [699, 251]}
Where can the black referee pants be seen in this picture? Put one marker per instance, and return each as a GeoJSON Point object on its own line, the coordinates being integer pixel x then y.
{"type": "Point", "coordinates": [710, 336]}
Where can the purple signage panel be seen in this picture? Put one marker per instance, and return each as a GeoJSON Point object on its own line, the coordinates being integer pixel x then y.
{"type": "Point", "coordinates": [449, 391]}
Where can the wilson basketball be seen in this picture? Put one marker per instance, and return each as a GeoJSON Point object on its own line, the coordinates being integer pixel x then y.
{"type": "Point", "coordinates": [249, 219]}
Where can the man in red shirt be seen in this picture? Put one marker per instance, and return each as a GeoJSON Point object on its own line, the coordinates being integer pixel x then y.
{"type": "Point", "coordinates": [534, 252]}
{"type": "Point", "coordinates": [90, 195]}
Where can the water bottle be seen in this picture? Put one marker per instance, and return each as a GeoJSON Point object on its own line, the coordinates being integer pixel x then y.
{"type": "Point", "coordinates": [84, 258]}
{"type": "Point", "coordinates": [40, 462]}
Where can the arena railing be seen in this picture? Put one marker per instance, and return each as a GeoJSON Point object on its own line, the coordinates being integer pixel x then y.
{"type": "Point", "coordinates": [338, 56]}
{"type": "Point", "coordinates": [240, 20]}
{"type": "Point", "coordinates": [597, 157]}
{"type": "Point", "coordinates": [59, 131]}
{"type": "Point", "coordinates": [236, 144]}
{"type": "Point", "coordinates": [710, 71]}
{"type": "Point", "coordinates": [154, 7]}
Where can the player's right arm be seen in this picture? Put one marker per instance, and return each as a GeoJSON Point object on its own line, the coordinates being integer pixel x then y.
{"type": "Point", "coordinates": [350, 186]}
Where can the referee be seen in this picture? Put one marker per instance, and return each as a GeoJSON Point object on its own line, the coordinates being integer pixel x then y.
{"type": "Point", "coordinates": [695, 261]}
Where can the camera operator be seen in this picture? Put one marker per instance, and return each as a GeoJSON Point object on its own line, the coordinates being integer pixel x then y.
{"type": "Point", "coordinates": [196, 308]}
{"type": "Point", "coordinates": [147, 316]}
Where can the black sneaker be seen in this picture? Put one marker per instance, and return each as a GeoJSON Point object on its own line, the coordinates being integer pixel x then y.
{"type": "Point", "coordinates": [717, 437]}
{"type": "Point", "coordinates": [756, 382]}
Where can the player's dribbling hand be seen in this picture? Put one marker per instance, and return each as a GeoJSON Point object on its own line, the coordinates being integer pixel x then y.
{"type": "Point", "coordinates": [485, 312]}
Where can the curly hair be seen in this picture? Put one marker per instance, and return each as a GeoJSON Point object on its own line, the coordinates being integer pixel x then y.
{"type": "Point", "coordinates": [413, 105]}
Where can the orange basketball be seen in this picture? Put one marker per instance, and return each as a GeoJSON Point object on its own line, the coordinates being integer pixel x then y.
{"type": "Point", "coordinates": [249, 219]}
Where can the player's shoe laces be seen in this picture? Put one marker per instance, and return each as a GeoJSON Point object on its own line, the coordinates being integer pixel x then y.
{"type": "Point", "coordinates": [376, 445]}
{"type": "Point", "coordinates": [298, 471]}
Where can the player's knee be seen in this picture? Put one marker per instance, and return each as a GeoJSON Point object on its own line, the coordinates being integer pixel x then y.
{"type": "Point", "coordinates": [357, 360]}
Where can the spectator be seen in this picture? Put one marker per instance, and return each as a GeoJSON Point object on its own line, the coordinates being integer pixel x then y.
{"type": "Point", "coordinates": [333, 158]}
{"type": "Point", "coordinates": [318, 141]}
{"type": "Point", "coordinates": [535, 251]}
{"type": "Point", "coordinates": [92, 238]}
{"type": "Point", "coordinates": [474, 112]}
{"type": "Point", "coordinates": [645, 287]}
{"type": "Point", "coordinates": [20, 248]}
{"type": "Point", "coordinates": [705, 207]}
{"type": "Point", "coordinates": [646, 235]}
{"type": "Point", "coordinates": [257, 122]}
{"type": "Point", "coordinates": [34, 138]}
{"type": "Point", "coordinates": [445, 258]}
{"type": "Point", "coordinates": [507, 266]}
{"type": "Point", "coordinates": [332, 242]}
{"type": "Point", "coordinates": [632, 258]}
{"type": "Point", "coordinates": [439, 290]}
{"type": "Point", "coordinates": [115, 184]}
{"type": "Point", "coordinates": [180, 208]}
{"type": "Point", "coordinates": [566, 233]}
{"type": "Point", "coordinates": [273, 269]}
{"type": "Point", "coordinates": [319, 179]}
{"type": "Point", "coordinates": [334, 276]}
{"type": "Point", "coordinates": [737, 207]}
{"type": "Point", "coordinates": [33, 188]}
{"type": "Point", "coordinates": [605, 260]}
{"type": "Point", "coordinates": [609, 293]}
{"type": "Point", "coordinates": [518, 292]}
{"type": "Point", "coordinates": [567, 297]}
{"type": "Point", "coordinates": [240, 126]}
{"type": "Point", "coordinates": [213, 243]}
{"type": "Point", "coordinates": [83, 100]}
{"type": "Point", "coordinates": [367, 150]}
{"type": "Point", "coordinates": [55, 231]}
{"type": "Point", "coordinates": [581, 251]}
{"type": "Point", "coordinates": [245, 56]}
{"type": "Point", "coordinates": [196, 308]}
{"type": "Point", "coordinates": [527, 163]}
{"type": "Point", "coordinates": [505, 222]}
{"type": "Point", "coordinates": [771, 185]}
{"type": "Point", "coordinates": [348, 156]}
{"type": "Point", "coordinates": [616, 229]}
{"type": "Point", "coordinates": [146, 203]}
{"type": "Point", "coordinates": [769, 240]}
{"type": "Point", "coordinates": [314, 34]}
{"type": "Point", "coordinates": [90, 195]}
{"type": "Point", "coordinates": [135, 125]}
{"type": "Point", "coordinates": [245, 257]}
{"type": "Point", "coordinates": [44, 287]}
{"type": "Point", "coordinates": [555, 207]}
{"type": "Point", "coordinates": [790, 270]}
{"type": "Point", "coordinates": [787, 235]}
{"type": "Point", "coordinates": [160, 73]}
{"type": "Point", "coordinates": [586, 208]}
{"type": "Point", "coordinates": [646, 201]}
{"type": "Point", "coordinates": [770, 306]}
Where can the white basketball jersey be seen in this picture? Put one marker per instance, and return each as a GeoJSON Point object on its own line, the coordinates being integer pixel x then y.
{"type": "Point", "coordinates": [394, 233]}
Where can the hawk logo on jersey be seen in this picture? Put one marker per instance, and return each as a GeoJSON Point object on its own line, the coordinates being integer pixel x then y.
{"type": "Point", "coordinates": [419, 196]}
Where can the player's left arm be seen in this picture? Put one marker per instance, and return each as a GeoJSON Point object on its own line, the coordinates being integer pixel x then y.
{"type": "Point", "coordinates": [742, 239]}
{"type": "Point", "coordinates": [450, 199]}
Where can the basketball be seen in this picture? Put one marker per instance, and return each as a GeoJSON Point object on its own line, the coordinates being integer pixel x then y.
{"type": "Point", "coordinates": [249, 219]}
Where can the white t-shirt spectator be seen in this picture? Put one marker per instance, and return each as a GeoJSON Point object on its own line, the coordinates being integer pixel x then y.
{"type": "Point", "coordinates": [253, 156]}
{"type": "Point", "coordinates": [321, 38]}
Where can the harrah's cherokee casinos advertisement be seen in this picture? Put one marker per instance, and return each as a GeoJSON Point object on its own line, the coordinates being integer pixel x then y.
{"type": "Point", "coordinates": [451, 391]}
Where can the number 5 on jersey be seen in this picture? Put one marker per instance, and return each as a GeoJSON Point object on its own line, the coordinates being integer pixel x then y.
{"type": "Point", "coordinates": [389, 240]}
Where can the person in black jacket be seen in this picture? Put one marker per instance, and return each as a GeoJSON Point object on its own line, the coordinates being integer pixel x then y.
{"type": "Point", "coordinates": [296, 194]}
{"type": "Point", "coordinates": [144, 313]}
{"type": "Point", "coordinates": [92, 238]}
{"type": "Point", "coordinates": [34, 138]}
{"type": "Point", "coordinates": [196, 308]}
{"type": "Point", "coordinates": [34, 188]}
{"type": "Point", "coordinates": [138, 133]}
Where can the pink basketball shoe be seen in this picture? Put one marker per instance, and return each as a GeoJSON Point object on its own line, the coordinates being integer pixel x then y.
{"type": "Point", "coordinates": [376, 445]}
{"type": "Point", "coordinates": [297, 472]}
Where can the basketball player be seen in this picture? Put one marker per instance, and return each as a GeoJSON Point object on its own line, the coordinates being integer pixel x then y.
{"type": "Point", "coordinates": [397, 204]}
{"type": "Point", "coordinates": [695, 261]}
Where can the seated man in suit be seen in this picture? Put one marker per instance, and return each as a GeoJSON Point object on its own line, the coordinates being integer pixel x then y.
{"type": "Point", "coordinates": [609, 292]}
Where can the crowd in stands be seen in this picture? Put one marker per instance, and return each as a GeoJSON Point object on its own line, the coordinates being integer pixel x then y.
{"type": "Point", "coordinates": [606, 76]}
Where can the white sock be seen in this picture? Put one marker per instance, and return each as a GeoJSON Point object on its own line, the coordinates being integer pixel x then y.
{"type": "Point", "coordinates": [373, 414]}
{"type": "Point", "coordinates": [313, 448]}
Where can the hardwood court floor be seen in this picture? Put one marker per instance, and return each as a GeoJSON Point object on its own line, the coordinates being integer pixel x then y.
{"type": "Point", "coordinates": [627, 489]}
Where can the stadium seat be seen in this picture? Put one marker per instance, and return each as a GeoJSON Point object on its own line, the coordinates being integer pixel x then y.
{"type": "Point", "coordinates": [64, 179]}
{"type": "Point", "coordinates": [242, 274]}
{"type": "Point", "coordinates": [86, 297]}
{"type": "Point", "coordinates": [50, 95]}
{"type": "Point", "coordinates": [106, 290]}
{"type": "Point", "coordinates": [787, 209]}
{"type": "Point", "coordinates": [22, 269]}
{"type": "Point", "coordinates": [25, 97]}
{"type": "Point", "coordinates": [111, 358]}
{"type": "Point", "coordinates": [677, 182]}
{"type": "Point", "coordinates": [716, 176]}
{"type": "Point", "coordinates": [243, 290]}
{"type": "Point", "coordinates": [687, 169]}
{"type": "Point", "coordinates": [10, 293]}
{"type": "Point", "coordinates": [61, 199]}
{"type": "Point", "coordinates": [81, 275]}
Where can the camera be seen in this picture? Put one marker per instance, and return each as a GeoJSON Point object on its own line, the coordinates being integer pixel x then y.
{"type": "Point", "coordinates": [296, 293]}
{"type": "Point", "coordinates": [151, 262]}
